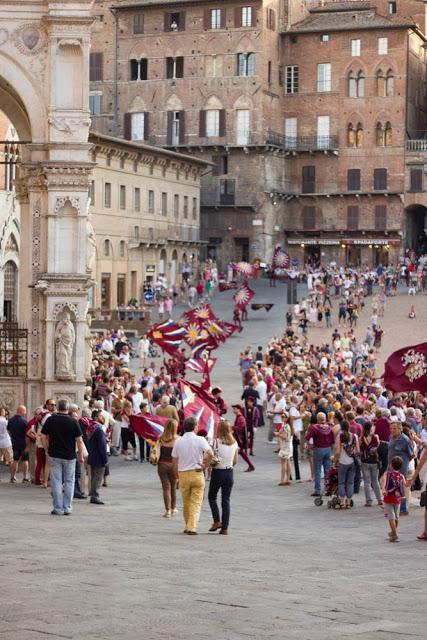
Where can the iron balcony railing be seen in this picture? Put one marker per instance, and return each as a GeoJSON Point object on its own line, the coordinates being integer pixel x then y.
{"type": "Point", "coordinates": [302, 143]}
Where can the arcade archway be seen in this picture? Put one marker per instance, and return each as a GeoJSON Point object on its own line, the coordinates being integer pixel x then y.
{"type": "Point", "coordinates": [416, 228]}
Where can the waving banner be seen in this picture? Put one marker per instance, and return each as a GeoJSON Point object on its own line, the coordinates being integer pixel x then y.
{"type": "Point", "coordinates": [199, 404]}
{"type": "Point", "coordinates": [243, 296]}
{"type": "Point", "coordinates": [256, 306]}
{"type": "Point", "coordinates": [168, 335]}
{"type": "Point", "coordinates": [147, 426]}
{"type": "Point", "coordinates": [281, 259]}
{"type": "Point", "coordinates": [406, 369]}
{"type": "Point", "coordinates": [226, 286]}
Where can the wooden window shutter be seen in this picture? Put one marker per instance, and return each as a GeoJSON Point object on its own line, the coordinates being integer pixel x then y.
{"type": "Point", "coordinates": [353, 179]}
{"type": "Point", "coordinates": [202, 124]}
{"type": "Point", "coordinates": [146, 125]}
{"type": "Point", "coordinates": [380, 179]}
{"type": "Point", "coordinates": [95, 66]}
{"type": "Point", "coordinates": [180, 67]}
{"type": "Point", "coordinates": [181, 127]}
{"type": "Point", "coordinates": [167, 21]}
{"type": "Point", "coordinates": [207, 18]}
{"type": "Point", "coordinates": [309, 179]}
{"type": "Point", "coordinates": [182, 21]}
{"type": "Point", "coordinates": [223, 18]}
{"type": "Point", "coordinates": [169, 128]}
{"type": "Point", "coordinates": [353, 218]}
{"type": "Point", "coordinates": [127, 126]}
{"type": "Point", "coordinates": [91, 67]}
{"type": "Point", "coordinates": [216, 169]}
{"type": "Point", "coordinates": [222, 123]}
{"type": "Point", "coordinates": [309, 218]}
{"type": "Point", "coordinates": [416, 179]}
{"type": "Point", "coordinates": [273, 19]}
{"type": "Point", "coordinates": [380, 217]}
{"type": "Point", "coordinates": [237, 16]}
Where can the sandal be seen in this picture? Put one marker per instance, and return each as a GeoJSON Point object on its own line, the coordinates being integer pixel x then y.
{"type": "Point", "coordinates": [423, 536]}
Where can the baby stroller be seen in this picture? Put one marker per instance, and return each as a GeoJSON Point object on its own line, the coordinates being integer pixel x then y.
{"type": "Point", "coordinates": [331, 489]}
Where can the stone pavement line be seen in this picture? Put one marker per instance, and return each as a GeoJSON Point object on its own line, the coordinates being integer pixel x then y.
{"type": "Point", "coordinates": [126, 572]}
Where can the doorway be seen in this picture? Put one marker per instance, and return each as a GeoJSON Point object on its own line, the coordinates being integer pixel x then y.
{"type": "Point", "coordinates": [312, 255]}
{"type": "Point", "coordinates": [241, 249]}
{"type": "Point", "coordinates": [10, 291]}
{"type": "Point", "coordinates": [416, 229]}
{"type": "Point", "coordinates": [106, 291]}
{"type": "Point", "coordinates": [352, 256]}
{"type": "Point", "coordinates": [121, 289]}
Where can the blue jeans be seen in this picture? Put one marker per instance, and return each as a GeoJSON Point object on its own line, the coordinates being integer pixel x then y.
{"type": "Point", "coordinates": [322, 458]}
{"type": "Point", "coordinates": [62, 476]}
{"type": "Point", "coordinates": [346, 473]}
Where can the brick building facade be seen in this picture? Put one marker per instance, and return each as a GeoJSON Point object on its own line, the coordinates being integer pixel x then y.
{"type": "Point", "coordinates": [304, 110]}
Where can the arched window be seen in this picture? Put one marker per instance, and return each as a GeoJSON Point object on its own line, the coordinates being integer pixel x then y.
{"type": "Point", "coordinates": [389, 83]}
{"type": "Point", "coordinates": [388, 135]}
{"type": "Point", "coordinates": [351, 136]}
{"type": "Point", "coordinates": [122, 246]}
{"type": "Point", "coordinates": [360, 84]}
{"type": "Point", "coordinates": [106, 248]}
{"type": "Point", "coordinates": [352, 85]}
{"type": "Point", "coordinates": [359, 135]}
{"type": "Point", "coordinates": [380, 84]}
{"type": "Point", "coordinates": [379, 135]}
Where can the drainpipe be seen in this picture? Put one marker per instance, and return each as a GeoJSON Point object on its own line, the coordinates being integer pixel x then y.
{"type": "Point", "coordinates": [116, 71]}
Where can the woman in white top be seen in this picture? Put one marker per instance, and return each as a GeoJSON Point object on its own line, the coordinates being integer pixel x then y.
{"type": "Point", "coordinates": [222, 476]}
{"type": "Point", "coordinates": [347, 448]}
{"type": "Point", "coordinates": [5, 441]}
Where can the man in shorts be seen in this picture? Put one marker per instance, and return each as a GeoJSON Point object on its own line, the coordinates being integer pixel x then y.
{"type": "Point", "coordinates": [17, 428]}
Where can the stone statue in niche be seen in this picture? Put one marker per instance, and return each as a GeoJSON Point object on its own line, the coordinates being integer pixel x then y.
{"type": "Point", "coordinates": [90, 244]}
{"type": "Point", "coordinates": [65, 337]}
{"type": "Point", "coordinates": [88, 347]}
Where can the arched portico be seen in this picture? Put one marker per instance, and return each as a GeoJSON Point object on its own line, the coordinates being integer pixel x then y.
{"type": "Point", "coordinates": [416, 228]}
{"type": "Point", "coordinates": [39, 48]}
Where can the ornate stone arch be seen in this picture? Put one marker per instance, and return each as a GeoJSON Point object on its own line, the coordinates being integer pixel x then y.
{"type": "Point", "coordinates": [173, 103]}
{"type": "Point", "coordinates": [137, 105]}
{"type": "Point", "coordinates": [60, 307]}
{"type": "Point", "coordinates": [243, 102]}
{"type": "Point", "coordinates": [213, 102]}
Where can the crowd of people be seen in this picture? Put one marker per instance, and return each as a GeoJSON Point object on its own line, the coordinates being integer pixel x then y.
{"type": "Point", "coordinates": [324, 404]}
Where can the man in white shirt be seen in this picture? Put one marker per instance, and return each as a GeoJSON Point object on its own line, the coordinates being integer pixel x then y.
{"type": "Point", "coordinates": [191, 454]}
{"type": "Point", "coordinates": [295, 419]}
{"type": "Point", "coordinates": [107, 344]}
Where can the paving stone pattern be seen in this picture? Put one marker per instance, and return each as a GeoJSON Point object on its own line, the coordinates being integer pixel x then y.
{"type": "Point", "coordinates": [287, 569]}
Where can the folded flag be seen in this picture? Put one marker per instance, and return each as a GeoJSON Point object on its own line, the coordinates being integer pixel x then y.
{"type": "Point", "coordinates": [226, 286]}
{"type": "Point", "coordinates": [168, 335]}
{"type": "Point", "coordinates": [147, 426]}
{"type": "Point", "coordinates": [255, 306]}
{"type": "Point", "coordinates": [243, 296]}
{"type": "Point", "coordinates": [199, 404]}
{"type": "Point", "coordinates": [406, 369]}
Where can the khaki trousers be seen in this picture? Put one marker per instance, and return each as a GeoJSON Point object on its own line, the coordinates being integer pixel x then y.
{"type": "Point", "coordinates": [192, 487]}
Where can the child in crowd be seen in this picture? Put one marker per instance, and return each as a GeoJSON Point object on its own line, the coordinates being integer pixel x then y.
{"type": "Point", "coordinates": [394, 491]}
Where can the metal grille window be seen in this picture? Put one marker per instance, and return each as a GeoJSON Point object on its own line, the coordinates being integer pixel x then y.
{"type": "Point", "coordinates": [291, 79]}
{"type": "Point", "coordinates": [13, 350]}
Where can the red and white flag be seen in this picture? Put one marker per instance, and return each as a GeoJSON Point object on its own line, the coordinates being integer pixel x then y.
{"type": "Point", "coordinates": [406, 369]}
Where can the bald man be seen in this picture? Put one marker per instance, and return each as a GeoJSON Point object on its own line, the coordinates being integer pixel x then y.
{"type": "Point", "coordinates": [17, 428]}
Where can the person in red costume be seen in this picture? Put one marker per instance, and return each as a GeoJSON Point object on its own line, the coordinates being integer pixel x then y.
{"type": "Point", "coordinates": [219, 401]}
{"type": "Point", "coordinates": [241, 435]}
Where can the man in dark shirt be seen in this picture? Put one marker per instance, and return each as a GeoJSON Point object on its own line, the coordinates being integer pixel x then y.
{"type": "Point", "coordinates": [17, 427]}
{"type": "Point", "coordinates": [64, 434]}
{"type": "Point", "coordinates": [97, 458]}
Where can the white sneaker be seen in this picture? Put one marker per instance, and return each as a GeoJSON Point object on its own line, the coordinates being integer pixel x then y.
{"type": "Point", "coordinates": [128, 458]}
{"type": "Point", "coordinates": [135, 458]}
